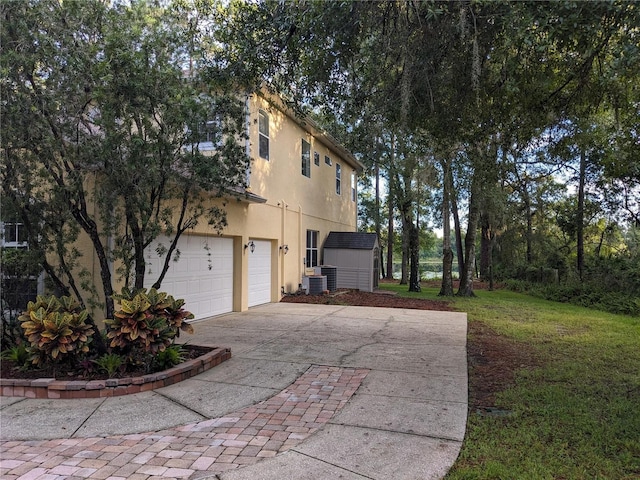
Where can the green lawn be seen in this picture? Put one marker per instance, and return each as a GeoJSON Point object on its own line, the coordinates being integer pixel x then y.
{"type": "Point", "coordinates": [577, 416]}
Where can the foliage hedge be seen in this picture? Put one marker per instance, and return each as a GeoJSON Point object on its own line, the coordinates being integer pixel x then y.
{"type": "Point", "coordinates": [583, 294]}
{"type": "Point", "coordinates": [608, 284]}
{"type": "Point", "coordinates": [56, 331]}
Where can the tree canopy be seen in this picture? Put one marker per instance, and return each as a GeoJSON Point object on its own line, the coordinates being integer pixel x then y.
{"type": "Point", "coordinates": [517, 119]}
{"type": "Point", "coordinates": [104, 109]}
{"type": "Point", "coordinates": [473, 82]}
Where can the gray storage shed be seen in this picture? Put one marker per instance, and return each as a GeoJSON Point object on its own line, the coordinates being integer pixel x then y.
{"type": "Point", "coordinates": [357, 258]}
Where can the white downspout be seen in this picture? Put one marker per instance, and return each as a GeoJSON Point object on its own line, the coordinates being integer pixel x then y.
{"type": "Point", "coordinates": [248, 139]}
{"type": "Point", "coordinates": [283, 229]}
{"type": "Point", "coordinates": [301, 242]}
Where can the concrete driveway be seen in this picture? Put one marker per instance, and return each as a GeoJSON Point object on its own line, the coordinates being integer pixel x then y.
{"type": "Point", "coordinates": [395, 404]}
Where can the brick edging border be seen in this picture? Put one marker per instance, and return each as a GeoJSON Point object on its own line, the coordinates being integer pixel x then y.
{"type": "Point", "coordinates": [112, 387]}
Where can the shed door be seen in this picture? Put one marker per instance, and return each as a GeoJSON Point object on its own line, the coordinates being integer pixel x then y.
{"type": "Point", "coordinates": [202, 276]}
{"type": "Point", "coordinates": [260, 273]}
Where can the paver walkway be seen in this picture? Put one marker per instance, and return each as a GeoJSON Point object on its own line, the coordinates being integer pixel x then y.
{"type": "Point", "coordinates": [197, 450]}
{"type": "Point", "coordinates": [406, 422]}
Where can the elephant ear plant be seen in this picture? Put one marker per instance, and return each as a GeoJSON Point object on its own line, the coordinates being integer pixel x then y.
{"type": "Point", "coordinates": [56, 329]}
{"type": "Point", "coordinates": [146, 324]}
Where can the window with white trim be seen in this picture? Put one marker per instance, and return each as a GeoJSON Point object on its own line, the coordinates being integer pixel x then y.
{"type": "Point", "coordinates": [306, 158]}
{"type": "Point", "coordinates": [316, 158]}
{"type": "Point", "coordinates": [338, 179]}
{"type": "Point", "coordinates": [263, 134]}
{"type": "Point", "coordinates": [210, 134]}
{"type": "Point", "coordinates": [327, 160]}
{"type": "Point", "coordinates": [14, 235]}
{"type": "Point", "coordinates": [312, 249]}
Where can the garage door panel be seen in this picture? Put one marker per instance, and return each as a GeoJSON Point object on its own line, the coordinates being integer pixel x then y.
{"type": "Point", "coordinates": [260, 273]}
{"type": "Point", "coordinates": [203, 275]}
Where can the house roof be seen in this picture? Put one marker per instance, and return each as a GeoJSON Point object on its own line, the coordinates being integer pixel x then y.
{"type": "Point", "coordinates": [244, 194]}
{"type": "Point", "coordinates": [351, 240]}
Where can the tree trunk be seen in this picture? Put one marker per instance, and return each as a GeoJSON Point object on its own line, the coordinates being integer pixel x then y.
{"type": "Point", "coordinates": [580, 215]}
{"type": "Point", "coordinates": [457, 227]}
{"type": "Point", "coordinates": [485, 248]}
{"type": "Point", "coordinates": [410, 250]}
{"type": "Point", "coordinates": [378, 228]}
{"type": "Point", "coordinates": [529, 233]}
{"type": "Point", "coordinates": [446, 289]}
{"type": "Point", "coordinates": [404, 270]}
{"type": "Point", "coordinates": [414, 258]}
{"type": "Point", "coordinates": [466, 277]}
{"type": "Point", "coordinates": [390, 237]}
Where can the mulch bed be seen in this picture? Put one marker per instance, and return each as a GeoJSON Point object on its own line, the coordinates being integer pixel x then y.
{"type": "Point", "coordinates": [68, 372]}
{"type": "Point", "coordinates": [493, 362]}
{"type": "Point", "coordinates": [368, 299]}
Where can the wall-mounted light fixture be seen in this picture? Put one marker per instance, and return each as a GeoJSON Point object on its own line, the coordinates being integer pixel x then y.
{"type": "Point", "coordinates": [284, 248]}
{"type": "Point", "coordinates": [251, 246]}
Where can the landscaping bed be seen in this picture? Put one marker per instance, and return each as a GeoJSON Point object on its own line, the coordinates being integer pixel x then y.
{"type": "Point", "coordinates": [43, 383]}
{"type": "Point", "coordinates": [369, 299]}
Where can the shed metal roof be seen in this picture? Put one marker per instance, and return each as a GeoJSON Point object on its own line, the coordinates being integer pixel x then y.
{"type": "Point", "coordinates": [351, 240]}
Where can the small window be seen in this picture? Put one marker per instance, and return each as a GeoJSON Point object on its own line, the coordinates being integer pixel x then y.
{"type": "Point", "coordinates": [263, 134]}
{"type": "Point", "coordinates": [338, 179]}
{"type": "Point", "coordinates": [306, 158]}
{"type": "Point", "coordinates": [316, 158]}
{"type": "Point", "coordinates": [312, 249]}
{"type": "Point", "coordinates": [327, 160]}
{"type": "Point", "coordinates": [14, 235]}
{"type": "Point", "coordinates": [353, 186]}
{"type": "Point", "coordinates": [210, 134]}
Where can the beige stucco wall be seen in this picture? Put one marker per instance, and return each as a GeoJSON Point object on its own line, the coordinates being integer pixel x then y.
{"type": "Point", "coordinates": [294, 203]}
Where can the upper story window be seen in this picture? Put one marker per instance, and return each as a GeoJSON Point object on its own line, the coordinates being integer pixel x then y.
{"type": "Point", "coordinates": [13, 235]}
{"type": "Point", "coordinates": [338, 179]}
{"type": "Point", "coordinates": [263, 134]}
{"type": "Point", "coordinates": [327, 160]}
{"type": "Point", "coordinates": [209, 134]}
{"type": "Point", "coordinates": [316, 158]}
{"type": "Point", "coordinates": [311, 259]}
{"type": "Point", "coordinates": [306, 158]}
{"type": "Point", "coordinates": [353, 186]}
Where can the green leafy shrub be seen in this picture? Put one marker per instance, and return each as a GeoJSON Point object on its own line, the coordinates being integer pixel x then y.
{"type": "Point", "coordinates": [17, 354]}
{"type": "Point", "coordinates": [141, 335]}
{"type": "Point", "coordinates": [170, 357]}
{"type": "Point", "coordinates": [12, 333]}
{"type": "Point", "coordinates": [110, 363]}
{"type": "Point", "coordinates": [56, 329]}
{"type": "Point", "coordinates": [147, 322]}
{"type": "Point", "coordinates": [519, 286]}
{"type": "Point", "coordinates": [582, 294]}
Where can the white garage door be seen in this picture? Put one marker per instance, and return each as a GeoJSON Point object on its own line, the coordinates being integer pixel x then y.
{"type": "Point", "coordinates": [260, 273]}
{"type": "Point", "coordinates": [203, 275]}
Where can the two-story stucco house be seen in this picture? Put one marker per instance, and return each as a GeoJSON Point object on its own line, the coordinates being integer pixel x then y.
{"type": "Point", "coordinates": [302, 185]}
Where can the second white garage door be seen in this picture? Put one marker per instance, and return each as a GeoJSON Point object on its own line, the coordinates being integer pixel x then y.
{"type": "Point", "coordinates": [203, 276]}
{"type": "Point", "coordinates": [260, 273]}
